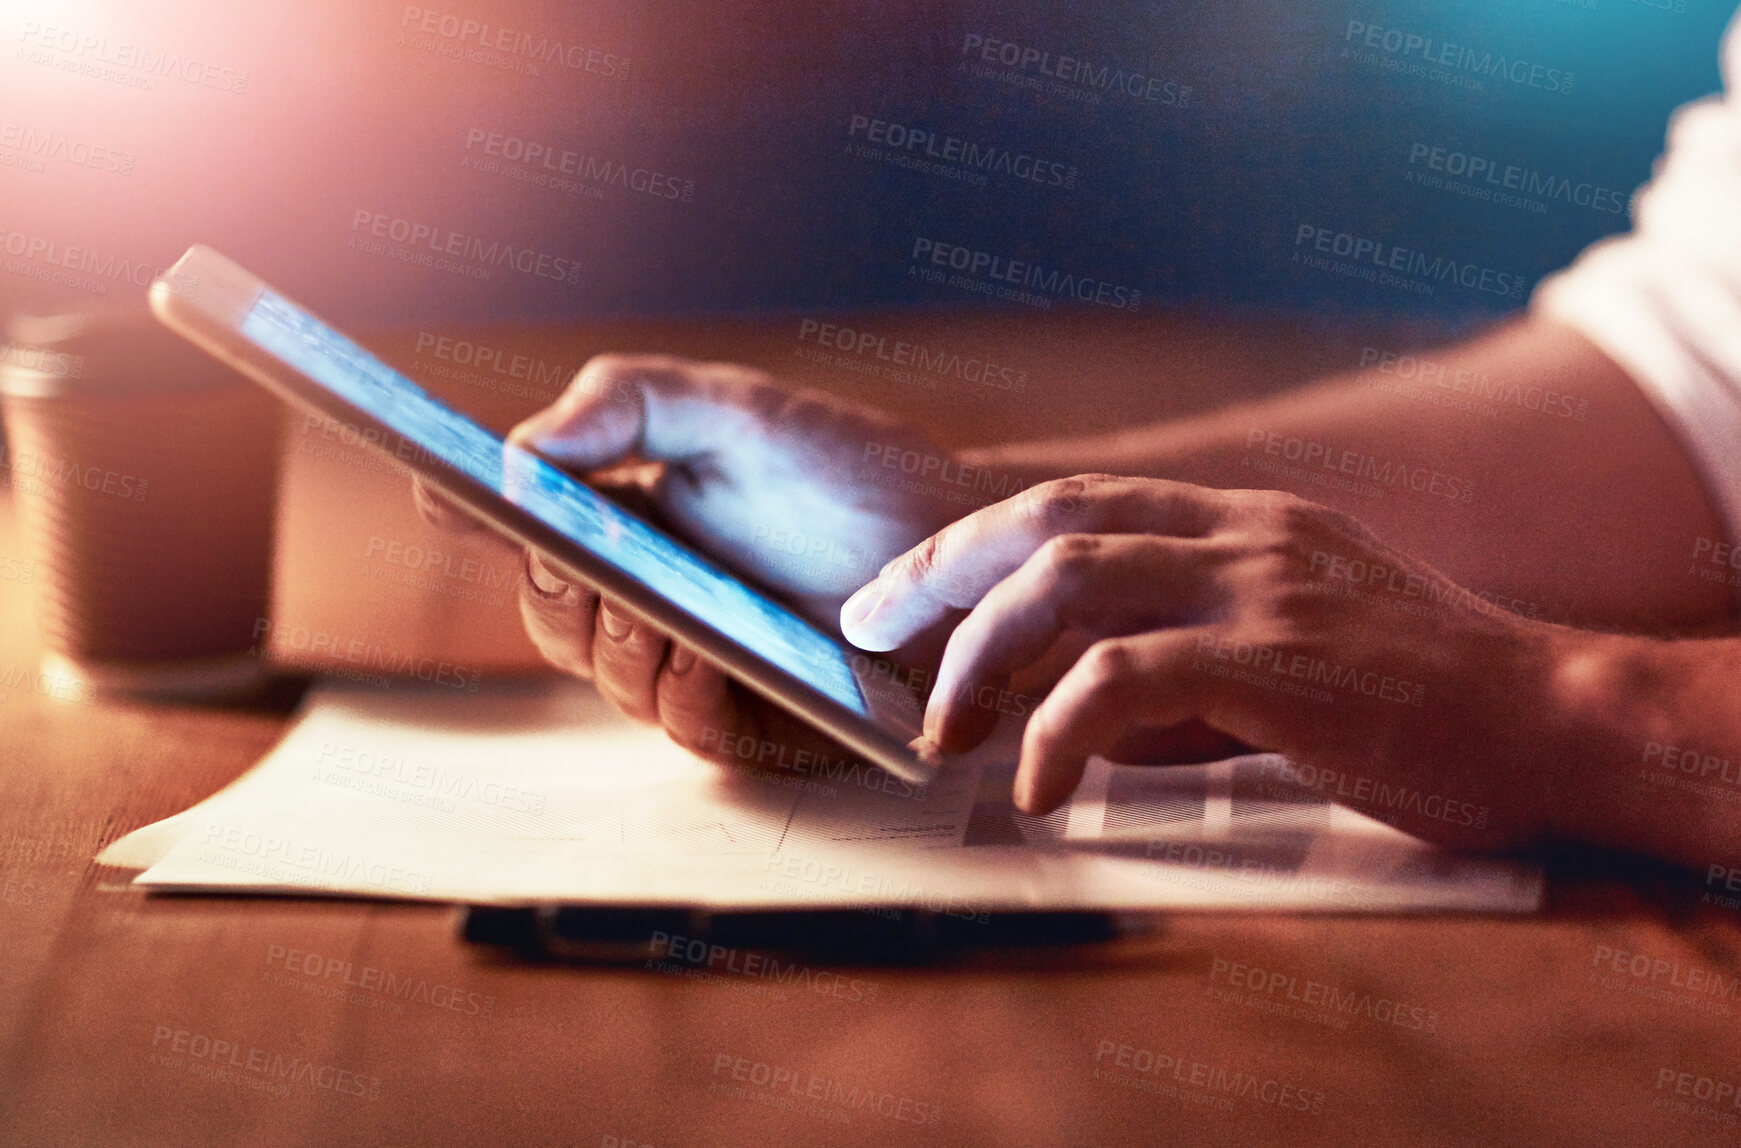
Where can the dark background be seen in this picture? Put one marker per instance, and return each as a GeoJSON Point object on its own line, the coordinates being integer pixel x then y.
{"type": "Point", "coordinates": [750, 103]}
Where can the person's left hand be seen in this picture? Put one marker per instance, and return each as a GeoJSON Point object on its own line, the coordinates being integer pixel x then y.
{"type": "Point", "coordinates": [1277, 623]}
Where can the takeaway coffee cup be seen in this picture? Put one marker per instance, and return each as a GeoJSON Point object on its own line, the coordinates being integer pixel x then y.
{"type": "Point", "coordinates": [144, 474]}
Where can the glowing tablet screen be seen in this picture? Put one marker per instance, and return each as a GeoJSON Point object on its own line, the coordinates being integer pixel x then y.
{"type": "Point", "coordinates": [573, 509]}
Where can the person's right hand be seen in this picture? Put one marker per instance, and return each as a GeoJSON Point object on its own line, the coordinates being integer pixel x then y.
{"type": "Point", "coordinates": [788, 488]}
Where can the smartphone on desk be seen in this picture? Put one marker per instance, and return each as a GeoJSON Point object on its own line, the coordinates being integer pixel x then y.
{"type": "Point", "coordinates": [852, 696]}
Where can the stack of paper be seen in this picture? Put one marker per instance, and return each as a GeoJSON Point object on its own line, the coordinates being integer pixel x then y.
{"type": "Point", "coordinates": [543, 793]}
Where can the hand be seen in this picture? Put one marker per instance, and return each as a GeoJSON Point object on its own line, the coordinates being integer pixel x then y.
{"type": "Point", "coordinates": [1278, 624]}
{"type": "Point", "coordinates": [774, 484]}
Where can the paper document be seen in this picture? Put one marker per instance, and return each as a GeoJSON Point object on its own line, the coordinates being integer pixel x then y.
{"type": "Point", "coordinates": [544, 793]}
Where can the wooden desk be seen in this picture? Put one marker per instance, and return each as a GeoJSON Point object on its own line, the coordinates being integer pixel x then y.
{"type": "Point", "coordinates": [111, 1003]}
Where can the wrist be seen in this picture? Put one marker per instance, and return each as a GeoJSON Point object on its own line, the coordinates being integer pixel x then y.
{"type": "Point", "coordinates": [1592, 718]}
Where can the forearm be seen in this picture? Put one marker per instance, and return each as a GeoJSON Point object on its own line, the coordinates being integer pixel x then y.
{"type": "Point", "coordinates": [1642, 746]}
{"type": "Point", "coordinates": [1525, 464]}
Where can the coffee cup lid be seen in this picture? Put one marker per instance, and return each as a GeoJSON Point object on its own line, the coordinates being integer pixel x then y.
{"type": "Point", "coordinates": [108, 350]}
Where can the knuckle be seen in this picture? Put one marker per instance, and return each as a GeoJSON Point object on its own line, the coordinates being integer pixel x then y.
{"type": "Point", "coordinates": [1067, 559]}
{"type": "Point", "coordinates": [1277, 563]}
{"type": "Point", "coordinates": [1102, 502]}
{"type": "Point", "coordinates": [1108, 665]}
{"type": "Point", "coordinates": [1123, 499]}
{"type": "Point", "coordinates": [1056, 501]}
{"type": "Point", "coordinates": [1287, 512]}
{"type": "Point", "coordinates": [554, 631]}
{"type": "Point", "coordinates": [1283, 530]}
{"type": "Point", "coordinates": [920, 564]}
{"type": "Point", "coordinates": [615, 377]}
{"type": "Point", "coordinates": [736, 374]}
{"type": "Point", "coordinates": [1302, 519]}
{"type": "Point", "coordinates": [609, 365]}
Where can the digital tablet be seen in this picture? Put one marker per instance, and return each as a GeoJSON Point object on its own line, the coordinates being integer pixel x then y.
{"type": "Point", "coordinates": [855, 697]}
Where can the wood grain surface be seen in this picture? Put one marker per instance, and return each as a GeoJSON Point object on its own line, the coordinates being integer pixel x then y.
{"type": "Point", "coordinates": [162, 1020]}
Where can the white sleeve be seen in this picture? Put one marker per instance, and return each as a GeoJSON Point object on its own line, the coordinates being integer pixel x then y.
{"type": "Point", "coordinates": [1664, 301]}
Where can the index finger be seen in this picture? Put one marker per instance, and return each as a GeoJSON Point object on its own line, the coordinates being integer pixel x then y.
{"type": "Point", "coordinates": [957, 566]}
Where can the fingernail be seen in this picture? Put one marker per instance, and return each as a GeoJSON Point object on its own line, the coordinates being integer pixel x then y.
{"type": "Point", "coordinates": [544, 579]}
{"type": "Point", "coordinates": [529, 431]}
{"type": "Point", "coordinates": [682, 659]}
{"type": "Point", "coordinates": [933, 725]}
{"type": "Point", "coordinates": [859, 607]}
{"type": "Point", "coordinates": [615, 624]}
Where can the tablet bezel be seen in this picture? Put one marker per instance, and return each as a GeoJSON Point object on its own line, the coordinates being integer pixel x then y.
{"type": "Point", "coordinates": [206, 297]}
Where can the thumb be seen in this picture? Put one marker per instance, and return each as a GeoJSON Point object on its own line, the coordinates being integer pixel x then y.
{"type": "Point", "coordinates": [649, 407]}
